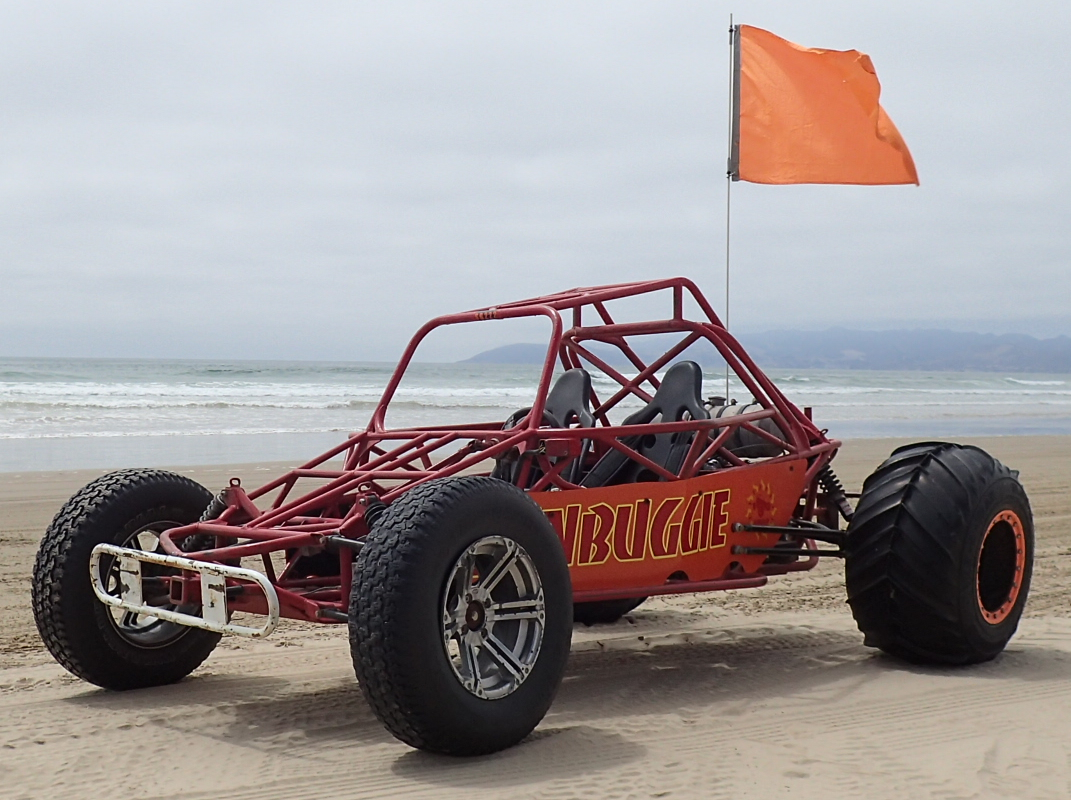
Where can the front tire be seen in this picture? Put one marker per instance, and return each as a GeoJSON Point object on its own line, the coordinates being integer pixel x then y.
{"type": "Point", "coordinates": [105, 646]}
{"type": "Point", "coordinates": [939, 555]}
{"type": "Point", "coordinates": [461, 616]}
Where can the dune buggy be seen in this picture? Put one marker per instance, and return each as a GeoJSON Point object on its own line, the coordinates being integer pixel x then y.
{"type": "Point", "coordinates": [459, 556]}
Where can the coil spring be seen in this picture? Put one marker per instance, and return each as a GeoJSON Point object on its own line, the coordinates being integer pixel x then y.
{"type": "Point", "coordinates": [375, 510]}
{"type": "Point", "coordinates": [216, 507]}
{"type": "Point", "coordinates": [835, 489]}
{"type": "Point", "coordinates": [206, 541]}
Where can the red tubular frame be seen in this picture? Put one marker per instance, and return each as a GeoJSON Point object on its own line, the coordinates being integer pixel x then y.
{"type": "Point", "coordinates": [380, 464]}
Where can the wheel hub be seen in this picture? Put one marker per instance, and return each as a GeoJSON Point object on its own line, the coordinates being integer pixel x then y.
{"type": "Point", "coordinates": [475, 615]}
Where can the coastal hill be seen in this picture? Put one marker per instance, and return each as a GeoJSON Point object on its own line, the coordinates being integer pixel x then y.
{"type": "Point", "coordinates": [840, 348]}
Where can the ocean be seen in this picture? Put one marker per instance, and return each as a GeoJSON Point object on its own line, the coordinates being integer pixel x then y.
{"type": "Point", "coordinates": [104, 413]}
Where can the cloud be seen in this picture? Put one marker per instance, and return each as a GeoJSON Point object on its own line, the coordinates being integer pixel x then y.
{"type": "Point", "coordinates": [278, 180]}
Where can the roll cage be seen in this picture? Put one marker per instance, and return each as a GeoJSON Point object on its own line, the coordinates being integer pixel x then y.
{"type": "Point", "coordinates": [323, 506]}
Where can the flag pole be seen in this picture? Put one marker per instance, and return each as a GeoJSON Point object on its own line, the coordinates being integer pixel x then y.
{"type": "Point", "coordinates": [729, 182]}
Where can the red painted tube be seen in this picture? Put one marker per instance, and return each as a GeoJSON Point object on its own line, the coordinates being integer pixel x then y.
{"type": "Point", "coordinates": [673, 587]}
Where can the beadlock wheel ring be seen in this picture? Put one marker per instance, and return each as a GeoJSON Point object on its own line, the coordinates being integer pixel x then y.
{"type": "Point", "coordinates": [1001, 565]}
{"type": "Point", "coordinates": [493, 617]}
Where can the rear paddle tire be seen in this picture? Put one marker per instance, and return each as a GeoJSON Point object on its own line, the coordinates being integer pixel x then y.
{"type": "Point", "coordinates": [939, 555]}
{"type": "Point", "coordinates": [101, 644]}
{"type": "Point", "coordinates": [461, 616]}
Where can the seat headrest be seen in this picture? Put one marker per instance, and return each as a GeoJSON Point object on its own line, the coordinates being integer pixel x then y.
{"type": "Point", "coordinates": [681, 391]}
{"type": "Point", "coordinates": [569, 399]}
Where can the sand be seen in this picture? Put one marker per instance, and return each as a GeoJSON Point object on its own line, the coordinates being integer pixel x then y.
{"type": "Point", "coordinates": [760, 693]}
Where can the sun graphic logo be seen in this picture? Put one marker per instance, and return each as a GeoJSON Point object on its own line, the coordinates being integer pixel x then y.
{"type": "Point", "coordinates": [760, 504]}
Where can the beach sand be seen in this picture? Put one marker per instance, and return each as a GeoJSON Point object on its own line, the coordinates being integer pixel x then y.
{"type": "Point", "coordinates": [760, 693]}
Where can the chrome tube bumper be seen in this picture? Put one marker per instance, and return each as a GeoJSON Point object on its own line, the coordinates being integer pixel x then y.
{"type": "Point", "coordinates": [214, 615]}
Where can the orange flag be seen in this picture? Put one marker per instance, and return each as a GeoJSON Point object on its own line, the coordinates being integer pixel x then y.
{"type": "Point", "coordinates": [805, 115]}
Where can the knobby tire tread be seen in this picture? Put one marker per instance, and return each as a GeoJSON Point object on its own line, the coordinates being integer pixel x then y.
{"type": "Point", "coordinates": [387, 567]}
{"type": "Point", "coordinates": [392, 546]}
{"type": "Point", "coordinates": [901, 560]}
{"type": "Point", "coordinates": [53, 558]}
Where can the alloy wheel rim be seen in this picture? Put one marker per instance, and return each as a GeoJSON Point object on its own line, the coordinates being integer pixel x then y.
{"type": "Point", "coordinates": [493, 616]}
{"type": "Point", "coordinates": [143, 630]}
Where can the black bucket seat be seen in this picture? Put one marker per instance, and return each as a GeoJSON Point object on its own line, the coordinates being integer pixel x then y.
{"type": "Point", "coordinates": [680, 393]}
{"type": "Point", "coordinates": [568, 403]}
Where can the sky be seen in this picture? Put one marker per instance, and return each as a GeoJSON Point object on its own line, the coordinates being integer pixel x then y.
{"type": "Point", "coordinates": [315, 180]}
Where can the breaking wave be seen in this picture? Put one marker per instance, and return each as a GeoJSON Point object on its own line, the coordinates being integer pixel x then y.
{"type": "Point", "coordinates": [109, 399]}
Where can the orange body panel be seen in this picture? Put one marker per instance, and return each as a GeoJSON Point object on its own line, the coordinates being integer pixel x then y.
{"type": "Point", "coordinates": [638, 535]}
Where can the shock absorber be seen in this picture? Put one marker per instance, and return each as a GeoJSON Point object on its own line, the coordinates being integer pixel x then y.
{"type": "Point", "coordinates": [216, 507]}
{"type": "Point", "coordinates": [375, 510]}
{"type": "Point", "coordinates": [835, 490]}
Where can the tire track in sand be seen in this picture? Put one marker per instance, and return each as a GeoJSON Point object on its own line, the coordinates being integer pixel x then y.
{"type": "Point", "coordinates": [688, 712]}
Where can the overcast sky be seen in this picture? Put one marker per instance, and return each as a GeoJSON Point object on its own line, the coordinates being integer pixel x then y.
{"type": "Point", "coordinates": [314, 180]}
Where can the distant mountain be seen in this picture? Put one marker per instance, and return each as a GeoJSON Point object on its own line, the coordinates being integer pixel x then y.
{"type": "Point", "coordinates": [840, 348]}
{"type": "Point", "coordinates": [511, 354]}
